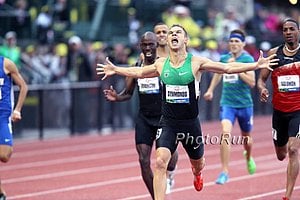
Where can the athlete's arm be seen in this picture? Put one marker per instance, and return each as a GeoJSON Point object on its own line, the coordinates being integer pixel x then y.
{"type": "Point", "coordinates": [111, 94]}
{"type": "Point", "coordinates": [110, 69]}
{"type": "Point", "coordinates": [12, 70]}
{"type": "Point", "coordinates": [262, 78]}
{"type": "Point", "coordinates": [248, 78]}
{"type": "Point", "coordinates": [208, 95]}
{"type": "Point", "coordinates": [236, 67]}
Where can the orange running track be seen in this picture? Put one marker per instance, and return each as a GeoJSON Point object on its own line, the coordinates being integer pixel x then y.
{"type": "Point", "coordinates": [94, 167]}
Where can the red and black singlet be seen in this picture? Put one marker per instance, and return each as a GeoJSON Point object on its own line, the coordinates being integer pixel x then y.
{"type": "Point", "coordinates": [286, 82]}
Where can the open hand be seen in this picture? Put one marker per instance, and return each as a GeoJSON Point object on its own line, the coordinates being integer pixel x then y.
{"type": "Point", "coordinates": [107, 69]}
{"type": "Point", "coordinates": [267, 62]}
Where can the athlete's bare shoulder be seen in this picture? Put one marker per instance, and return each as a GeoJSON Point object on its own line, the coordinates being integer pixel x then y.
{"type": "Point", "coordinates": [198, 61]}
{"type": "Point", "coordinates": [159, 63]}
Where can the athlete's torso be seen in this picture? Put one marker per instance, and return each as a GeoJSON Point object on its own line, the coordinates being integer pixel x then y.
{"type": "Point", "coordinates": [150, 99]}
{"type": "Point", "coordinates": [5, 89]}
{"type": "Point", "coordinates": [235, 92]}
{"type": "Point", "coordinates": [286, 82]}
{"type": "Point", "coordinates": [180, 91]}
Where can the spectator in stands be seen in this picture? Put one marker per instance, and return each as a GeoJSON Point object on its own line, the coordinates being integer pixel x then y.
{"type": "Point", "coordinates": [115, 114]}
{"type": "Point", "coordinates": [61, 18]}
{"type": "Point", "coordinates": [21, 21]}
{"type": "Point", "coordinates": [79, 69]}
{"type": "Point", "coordinates": [251, 47]}
{"type": "Point", "coordinates": [78, 65]}
{"type": "Point", "coordinates": [10, 49]}
{"type": "Point", "coordinates": [182, 15]}
{"type": "Point", "coordinates": [44, 23]}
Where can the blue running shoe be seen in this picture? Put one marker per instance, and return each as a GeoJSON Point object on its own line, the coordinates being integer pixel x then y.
{"type": "Point", "coordinates": [222, 178]}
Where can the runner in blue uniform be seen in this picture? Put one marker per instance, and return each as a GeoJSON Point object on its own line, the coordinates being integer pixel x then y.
{"type": "Point", "coordinates": [8, 112]}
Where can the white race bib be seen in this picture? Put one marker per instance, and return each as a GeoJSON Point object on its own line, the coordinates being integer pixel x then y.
{"type": "Point", "coordinates": [177, 94]}
{"type": "Point", "coordinates": [149, 85]}
{"type": "Point", "coordinates": [230, 78]}
{"type": "Point", "coordinates": [288, 83]}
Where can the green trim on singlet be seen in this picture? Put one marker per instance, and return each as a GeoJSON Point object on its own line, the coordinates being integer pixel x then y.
{"type": "Point", "coordinates": [181, 75]}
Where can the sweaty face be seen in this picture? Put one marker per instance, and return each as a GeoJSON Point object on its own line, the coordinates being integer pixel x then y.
{"type": "Point", "coordinates": [148, 47]}
{"type": "Point", "coordinates": [161, 32]}
{"type": "Point", "coordinates": [290, 32]}
{"type": "Point", "coordinates": [236, 45]}
{"type": "Point", "coordinates": [176, 37]}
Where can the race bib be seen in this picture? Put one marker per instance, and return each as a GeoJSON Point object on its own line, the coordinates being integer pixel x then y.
{"type": "Point", "coordinates": [230, 78]}
{"type": "Point", "coordinates": [288, 83]}
{"type": "Point", "coordinates": [177, 94]}
{"type": "Point", "coordinates": [149, 85]}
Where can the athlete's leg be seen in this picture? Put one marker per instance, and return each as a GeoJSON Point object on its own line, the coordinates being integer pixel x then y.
{"type": "Point", "coordinates": [197, 167]}
{"type": "Point", "coordinates": [6, 144]}
{"type": "Point", "coordinates": [225, 144]}
{"type": "Point", "coordinates": [245, 119]}
{"type": "Point", "coordinates": [163, 156]}
{"type": "Point", "coordinates": [171, 172]}
{"type": "Point", "coordinates": [173, 161]}
{"type": "Point", "coordinates": [293, 165]}
{"type": "Point", "coordinates": [144, 152]}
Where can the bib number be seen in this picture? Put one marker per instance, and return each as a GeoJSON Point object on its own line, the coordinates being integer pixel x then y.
{"type": "Point", "coordinates": [177, 94]}
{"type": "Point", "coordinates": [230, 78]}
{"type": "Point", "coordinates": [148, 85]}
{"type": "Point", "coordinates": [288, 83]}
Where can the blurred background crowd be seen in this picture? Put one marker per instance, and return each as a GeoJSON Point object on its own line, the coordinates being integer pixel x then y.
{"type": "Point", "coordinates": [56, 45]}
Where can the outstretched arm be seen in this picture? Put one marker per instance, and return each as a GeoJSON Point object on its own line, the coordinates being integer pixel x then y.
{"type": "Point", "coordinates": [236, 67]}
{"type": "Point", "coordinates": [110, 69]}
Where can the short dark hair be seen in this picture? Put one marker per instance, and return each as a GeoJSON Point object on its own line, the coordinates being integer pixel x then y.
{"type": "Point", "coordinates": [238, 31]}
{"type": "Point", "coordinates": [178, 25]}
{"type": "Point", "coordinates": [291, 20]}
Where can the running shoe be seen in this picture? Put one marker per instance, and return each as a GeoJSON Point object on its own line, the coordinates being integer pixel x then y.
{"type": "Point", "coordinates": [170, 185]}
{"type": "Point", "coordinates": [222, 178]}
{"type": "Point", "coordinates": [285, 198]}
{"type": "Point", "coordinates": [251, 166]}
{"type": "Point", "coordinates": [2, 196]}
{"type": "Point", "coordinates": [198, 182]}
{"type": "Point", "coordinates": [170, 181]}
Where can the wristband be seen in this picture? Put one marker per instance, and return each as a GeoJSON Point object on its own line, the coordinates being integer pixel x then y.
{"type": "Point", "coordinates": [17, 112]}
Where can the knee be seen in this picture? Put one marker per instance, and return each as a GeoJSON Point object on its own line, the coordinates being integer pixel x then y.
{"type": "Point", "coordinates": [225, 138]}
{"type": "Point", "coordinates": [5, 154]}
{"type": "Point", "coordinates": [293, 152]}
{"type": "Point", "coordinates": [144, 161]}
{"type": "Point", "coordinates": [281, 155]}
{"type": "Point", "coordinates": [5, 158]}
{"type": "Point", "coordinates": [161, 164]}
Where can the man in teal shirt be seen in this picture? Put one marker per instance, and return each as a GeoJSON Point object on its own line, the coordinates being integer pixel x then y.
{"type": "Point", "coordinates": [236, 103]}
